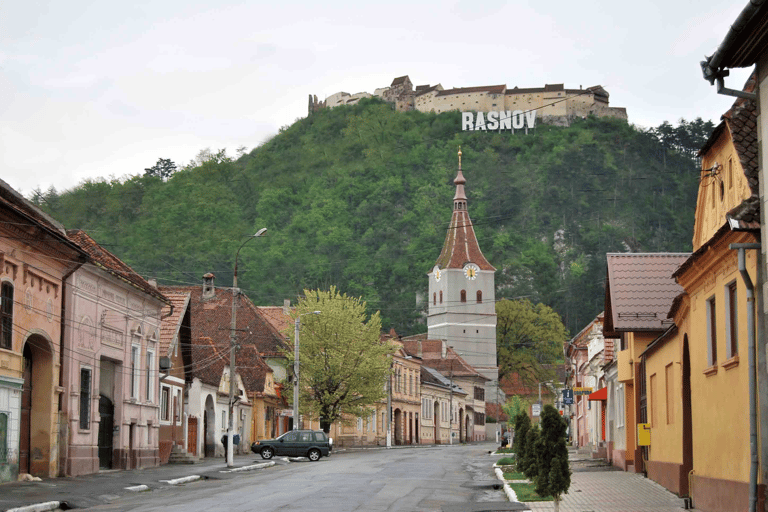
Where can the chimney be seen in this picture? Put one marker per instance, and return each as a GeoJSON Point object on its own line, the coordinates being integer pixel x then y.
{"type": "Point", "coordinates": [208, 288]}
{"type": "Point", "coordinates": [287, 307]}
{"type": "Point", "coordinates": [152, 283]}
{"type": "Point", "coordinates": [419, 352]}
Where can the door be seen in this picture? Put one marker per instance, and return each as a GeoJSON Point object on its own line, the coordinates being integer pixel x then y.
{"type": "Point", "coordinates": [192, 435]}
{"type": "Point", "coordinates": [26, 412]}
{"type": "Point", "coordinates": [106, 434]}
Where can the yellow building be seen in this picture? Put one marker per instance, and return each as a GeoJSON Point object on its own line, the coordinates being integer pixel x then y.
{"type": "Point", "coordinates": [696, 374]}
{"type": "Point", "coordinates": [35, 259]}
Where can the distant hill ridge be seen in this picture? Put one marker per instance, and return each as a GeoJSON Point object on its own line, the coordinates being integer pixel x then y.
{"type": "Point", "coordinates": [554, 103]}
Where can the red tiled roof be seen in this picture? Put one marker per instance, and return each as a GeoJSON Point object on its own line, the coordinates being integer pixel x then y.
{"type": "Point", "coordinates": [109, 262]}
{"type": "Point", "coordinates": [461, 245]}
{"type": "Point", "coordinates": [171, 320]}
{"type": "Point", "coordinates": [277, 318]}
{"type": "Point", "coordinates": [432, 356]}
{"type": "Point", "coordinates": [490, 89]}
{"type": "Point", "coordinates": [211, 322]}
{"type": "Point", "coordinates": [639, 290]}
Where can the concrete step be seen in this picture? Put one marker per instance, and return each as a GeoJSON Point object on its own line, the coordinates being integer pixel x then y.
{"type": "Point", "coordinates": [180, 456]}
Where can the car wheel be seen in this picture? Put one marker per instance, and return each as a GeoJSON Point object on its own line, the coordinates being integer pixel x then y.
{"type": "Point", "coordinates": [267, 453]}
{"type": "Point", "coordinates": [314, 454]}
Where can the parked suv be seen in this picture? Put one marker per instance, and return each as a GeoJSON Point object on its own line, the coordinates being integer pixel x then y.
{"type": "Point", "coordinates": [296, 443]}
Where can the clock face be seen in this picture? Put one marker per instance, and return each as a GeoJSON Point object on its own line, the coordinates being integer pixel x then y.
{"type": "Point", "coordinates": [437, 273]}
{"type": "Point", "coordinates": [470, 271]}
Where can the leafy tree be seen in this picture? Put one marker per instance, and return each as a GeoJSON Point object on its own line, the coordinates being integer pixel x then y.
{"type": "Point", "coordinates": [514, 407]}
{"type": "Point", "coordinates": [552, 475]}
{"type": "Point", "coordinates": [163, 169]}
{"type": "Point", "coordinates": [343, 363]}
{"type": "Point", "coordinates": [528, 336]}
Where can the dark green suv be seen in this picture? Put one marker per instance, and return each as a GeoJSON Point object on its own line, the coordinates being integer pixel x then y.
{"type": "Point", "coordinates": [296, 443]}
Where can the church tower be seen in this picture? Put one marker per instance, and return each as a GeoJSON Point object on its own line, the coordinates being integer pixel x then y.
{"type": "Point", "coordinates": [462, 298]}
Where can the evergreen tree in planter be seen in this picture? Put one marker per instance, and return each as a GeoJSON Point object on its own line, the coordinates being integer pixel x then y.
{"type": "Point", "coordinates": [529, 459]}
{"type": "Point", "coordinates": [522, 426]}
{"type": "Point", "coordinates": [552, 475]}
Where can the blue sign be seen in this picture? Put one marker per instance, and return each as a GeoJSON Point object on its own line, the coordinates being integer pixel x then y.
{"type": "Point", "coordinates": [567, 397]}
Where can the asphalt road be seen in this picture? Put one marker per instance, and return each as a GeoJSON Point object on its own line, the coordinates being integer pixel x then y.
{"type": "Point", "coordinates": [407, 479]}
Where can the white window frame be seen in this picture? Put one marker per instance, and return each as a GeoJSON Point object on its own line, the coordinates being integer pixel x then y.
{"type": "Point", "coordinates": [620, 405]}
{"type": "Point", "coordinates": [166, 409]}
{"type": "Point", "coordinates": [135, 370]}
{"type": "Point", "coordinates": [359, 424]}
{"type": "Point", "coordinates": [150, 374]}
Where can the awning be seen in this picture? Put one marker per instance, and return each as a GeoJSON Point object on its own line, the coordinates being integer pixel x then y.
{"type": "Point", "coordinates": [600, 394]}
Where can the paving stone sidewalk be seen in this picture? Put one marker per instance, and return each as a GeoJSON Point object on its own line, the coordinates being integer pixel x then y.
{"type": "Point", "coordinates": [611, 491]}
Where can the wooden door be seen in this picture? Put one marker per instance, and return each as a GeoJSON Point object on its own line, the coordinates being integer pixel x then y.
{"type": "Point", "coordinates": [106, 427]}
{"type": "Point", "coordinates": [192, 435]}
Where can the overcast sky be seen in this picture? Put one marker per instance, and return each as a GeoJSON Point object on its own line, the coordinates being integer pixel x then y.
{"type": "Point", "coordinates": [97, 89]}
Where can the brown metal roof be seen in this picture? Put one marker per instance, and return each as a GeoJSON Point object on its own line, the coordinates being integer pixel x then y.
{"type": "Point", "coordinates": [640, 290]}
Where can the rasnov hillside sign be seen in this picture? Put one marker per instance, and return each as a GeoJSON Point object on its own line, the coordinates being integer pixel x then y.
{"type": "Point", "coordinates": [502, 120]}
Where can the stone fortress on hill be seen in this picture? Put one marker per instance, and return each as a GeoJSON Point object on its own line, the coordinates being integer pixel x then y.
{"type": "Point", "coordinates": [554, 103]}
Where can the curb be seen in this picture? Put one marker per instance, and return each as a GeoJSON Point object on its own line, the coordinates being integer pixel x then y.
{"type": "Point", "coordinates": [511, 496]}
{"type": "Point", "coordinates": [37, 507]}
{"type": "Point", "coordinates": [184, 480]}
{"type": "Point", "coordinates": [261, 465]}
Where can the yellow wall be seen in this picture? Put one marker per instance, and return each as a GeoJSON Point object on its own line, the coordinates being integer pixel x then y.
{"type": "Point", "coordinates": [714, 201]}
{"type": "Point", "coordinates": [719, 396]}
{"type": "Point", "coordinates": [666, 429]}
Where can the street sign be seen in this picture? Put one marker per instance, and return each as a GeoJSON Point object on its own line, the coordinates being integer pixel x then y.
{"type": "Point", "coordinates": [582, 391]}
{"type": "Point", "coordinates": [536, 410]}
{"type": "Point", "coordinates": [567, 397]}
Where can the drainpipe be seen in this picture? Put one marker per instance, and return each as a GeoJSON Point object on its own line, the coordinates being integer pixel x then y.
{"type": "Point", "coordinates": [742, 248]}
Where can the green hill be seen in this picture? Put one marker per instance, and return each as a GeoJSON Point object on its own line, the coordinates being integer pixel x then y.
{"type": "Point", "coordinates": [360, 197]}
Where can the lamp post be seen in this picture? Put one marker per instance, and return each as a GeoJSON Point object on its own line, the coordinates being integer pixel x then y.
{"type": "Point", "coordinates": [232, 350]}
{"type": "Point", "coordinates": [296, 326]}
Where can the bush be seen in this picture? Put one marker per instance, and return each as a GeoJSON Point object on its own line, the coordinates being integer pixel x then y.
{"type": "Point", "coordinates": [551, 473]}
{"type": "Point", "coordinates": [506, 461]}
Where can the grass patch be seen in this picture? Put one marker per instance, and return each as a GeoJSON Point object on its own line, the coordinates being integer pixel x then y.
{"type": "Point", "coordinates": [525, 493]}
{"type": "Point", "coordinates": [505, 461]}
{"type": "Point", "coordinates": [505, 450]}
{"type": "Point", "coordinates": [514, 476]}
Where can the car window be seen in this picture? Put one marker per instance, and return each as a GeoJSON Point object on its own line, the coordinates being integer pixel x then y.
{"type": "Point", "coordinates": [320, 437]}
{"type": "Point", "coordinates": [305, 437]}
{"type": "Point", "coordinates": [290, 437]}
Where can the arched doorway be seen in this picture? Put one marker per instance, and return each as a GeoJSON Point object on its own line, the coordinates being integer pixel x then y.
{"type": "Point", "coordinates": [106, 426]}
{"type": "Point", "coordinates": [36, 407]}
{"type": "Point", "coordinates": [209, 428]}
{"type": "Point", "coordinates": [462, 432]}
{"type": "Point", "coordinates": [687, 419]}
{"type": "Point", "coordinates": [466, 428]}
{"type": "Point", "coordinates": [436, 420]}
{"type": "Point", "coordinates": [398, 427]}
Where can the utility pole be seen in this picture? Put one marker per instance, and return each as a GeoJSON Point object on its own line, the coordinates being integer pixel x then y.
{"type": "Point", "coordinates": [232, 351]}
{"type": "Point", "coordinates": [450, 409]}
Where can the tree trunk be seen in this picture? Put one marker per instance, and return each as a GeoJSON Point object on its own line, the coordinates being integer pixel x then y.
{"type": "Point", "coordinates": [557, 503]}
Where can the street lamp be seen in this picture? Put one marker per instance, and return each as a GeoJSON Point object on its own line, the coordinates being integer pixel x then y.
{"type": "Point", "coordinates": [297, 325]}
{"type": "Point", "coordinates": [232, 349]}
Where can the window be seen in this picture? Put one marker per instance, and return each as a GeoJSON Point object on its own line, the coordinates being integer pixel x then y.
{"type": "Point", "coordinates": [223, 420]}
{"type": "Point", "coordinates": [434, 298]}
{"type": "Point", "coordinates": [383, 419]}
{"type": "Point", "coordinates": [165, 403]}
{"type": "Point", "coordinates": [3, 436]}
{"type": "Point", "coordinates": [711, 333]}
{"type": "Point", "coordinates": [670, 392]}
{"type": "Point", "coordinates": [479, 296]}
{"type": "Point", "coordinates": [372, 422]}
{"type": "Point", "coordinates": [150, 375]}
{"type": "Point", "coordinates": [359, 424]}
{"type": "Point", "coordinates": [479, 393]}
{"type": "Point", "coordinates": [730, 173]}
{"type": "Point", "coordinates": [653, 397]}
{"type": "Point", "coordinates": [441, 296]}
{"type": "Point", "coordinates": [479, 418]}
{"type": "Point", "coordinates": [85, 398]}
{"type": "Point", "coordinates": [620, 405]}
{"type": "Point", "coordinates": [306, 437]}
{"type": "Point", "coordinates": [6, 316]}
{"type": "Point", "coordinates": [410, 384]}
{"type": "Point", "coordinates": [463, 295]}
{"type": "Point", "coordinates": [731, 320]}
{"type": "Point", "coordinates": [135, 371]}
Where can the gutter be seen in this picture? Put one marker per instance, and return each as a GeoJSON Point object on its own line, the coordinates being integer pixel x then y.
{"type": "Point", "coordinates": [711, 66]}
{"type": "Point", "coordinates": [742, 248]}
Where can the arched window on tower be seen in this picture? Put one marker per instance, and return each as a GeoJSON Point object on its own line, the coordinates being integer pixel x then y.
{"type": "Point", "coordinates": [434, 298]}
{"type": "Point", "coordinates": [463, 295]}
{"type": "Point", "coordinates": [441, 296]}
{"type": "Point", "coordinates": [479, 296]}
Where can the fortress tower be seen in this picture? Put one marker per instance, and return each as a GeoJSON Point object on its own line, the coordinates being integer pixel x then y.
{"type": "Point", "coordinates": [462, 300]}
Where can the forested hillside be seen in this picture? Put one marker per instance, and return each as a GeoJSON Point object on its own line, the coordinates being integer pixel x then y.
{"type": "Point", "coordinates": [360, 197]}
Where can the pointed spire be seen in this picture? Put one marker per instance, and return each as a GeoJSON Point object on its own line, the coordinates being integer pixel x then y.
{"type": "Point", "coordinates": [460, 199]}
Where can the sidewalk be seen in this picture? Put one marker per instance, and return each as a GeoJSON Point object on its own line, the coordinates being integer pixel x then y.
{"type": "Point", "coordinates": [610, 491]}
{"type": "Point", "coordinates": [99, 488]}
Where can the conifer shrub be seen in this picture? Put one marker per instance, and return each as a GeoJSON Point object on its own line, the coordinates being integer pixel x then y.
{"type": "Point", "coordinates": [522, 426]}
{"type": "Point", "coordinates": [529, 458]}
{"type": "Point", "coordinates": [551, 473]}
